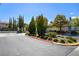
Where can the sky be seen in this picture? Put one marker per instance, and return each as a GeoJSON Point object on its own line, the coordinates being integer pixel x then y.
{"type": "Point", "coordinates": [49, 10]}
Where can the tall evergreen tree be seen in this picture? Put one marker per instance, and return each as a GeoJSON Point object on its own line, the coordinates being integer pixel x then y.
{"type": "Point", "coordinates": [10, 24]}
{"type": "Point", "coordinates": [14, 24]}
{"type": "Point", "coordinates": [32, 27]}
{"type": "Point", "coordinates": [21, 24]}
{"type": "Point", "coordinates": [42, 23]}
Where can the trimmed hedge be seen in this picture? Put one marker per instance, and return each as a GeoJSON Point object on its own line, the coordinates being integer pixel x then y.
{"type": "Point", "coordinates": [68, 37]}
{"type": "Point", "coordinates": [51, 34]}
{"type": "Point", "coordinates": [55, 40]}
{"type": "Point", "coordinates": [45, 37]}
{"type": "Point", "coordinates": [62, 41]}
{"type": "Point", "coordinates": [49, 38]}
{"type": "Point", "coordinates": [71, 39]}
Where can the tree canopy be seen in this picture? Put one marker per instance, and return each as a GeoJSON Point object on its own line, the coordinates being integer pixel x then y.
{"type": "Point", "coordinates": [60, 21]}
{"type": "Point", "coordinates": [75, 21]}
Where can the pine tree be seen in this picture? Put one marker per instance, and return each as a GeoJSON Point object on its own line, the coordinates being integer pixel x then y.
{"type": "Point", "coordinates": [14, 25]}
{"type": "Point", "coordinates": [10, 24]}
{"type": "Point", "coordinates": [42, 23]}
{"type": "Point", "coordinates": [60, 21]}
{"type": "Point", "coordinates": [32, 27]}
{"type": "Point", "coordinates": [21, 24]}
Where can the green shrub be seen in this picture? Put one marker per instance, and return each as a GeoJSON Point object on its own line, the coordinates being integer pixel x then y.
{"type": "Point", "coordinates": [74, 40]}
{"type": "Point", "coordinates": [58, 36]}
{"type": "Point", "coordinates": [68, 37]}
{"type": "Point", "coordinates": [51, 34]}
{"type": "Point", "coordinates": [31, 34]}
{"type": "Point", "coordinates": [41, 36]}
{"type": "Point", "coordinates": [62, 36]}
{"type": "Point", "coordinates": [62, 41]}
{"type": "Point", "coordinates": [49, 38]}
{"type": "Point", "coordinates": [70, 41]}
{"type": "Point", "coordinates": [45, 37]}
{"type": "Point", "coordinates": [77, 32]}
{"type": "Point", "coordinates": [55, 40]}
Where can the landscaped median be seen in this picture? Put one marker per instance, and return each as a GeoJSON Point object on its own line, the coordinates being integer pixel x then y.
{"type": "Point", "coordinates": [58, 43]}
{"type": "Point", "coordinates": [58, 39]}
{"type": "Point", "coordinates": [65, 41]}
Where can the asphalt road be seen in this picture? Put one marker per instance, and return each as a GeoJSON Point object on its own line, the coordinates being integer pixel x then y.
{"type": "Point", "coordinates": [12, 44]}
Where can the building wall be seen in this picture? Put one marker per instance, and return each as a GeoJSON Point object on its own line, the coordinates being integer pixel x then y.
{"type": "Point", "coordinates": [64, 28]}
{"type": "Point", "coordinates": [72, 28]}
{"type": "Point", "coordinates": [3, 25]}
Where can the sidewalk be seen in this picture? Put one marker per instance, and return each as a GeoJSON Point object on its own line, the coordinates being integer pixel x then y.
{"type": "Point", "coordinates": [75, 52]}
{"type": "Point", "coordinates": [10, 34]}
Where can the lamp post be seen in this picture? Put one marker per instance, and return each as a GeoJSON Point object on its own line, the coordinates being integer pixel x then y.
{"type": "Point", "coordinates": [70, 26]}
{"type": "Point", "coordinates": [36, 28]}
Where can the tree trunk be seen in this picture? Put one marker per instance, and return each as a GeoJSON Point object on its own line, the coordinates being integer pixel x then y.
{"type": "Point", "coordinates": [60, 29]}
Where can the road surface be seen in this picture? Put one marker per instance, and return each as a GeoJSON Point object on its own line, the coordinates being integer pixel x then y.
{"type": "Point", "coordinates": [12, 44]}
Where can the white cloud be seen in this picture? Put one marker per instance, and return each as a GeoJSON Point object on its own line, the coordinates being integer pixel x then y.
{"type": "Point", "coordinates": [71, 13]}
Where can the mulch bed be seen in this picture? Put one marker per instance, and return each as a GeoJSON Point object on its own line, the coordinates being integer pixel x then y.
{"type": "Point", "coordinates": [41, 39]}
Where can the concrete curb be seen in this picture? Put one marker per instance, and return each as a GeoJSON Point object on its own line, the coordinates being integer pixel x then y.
{"type": "Point", "coordinates": [69, 44]}
{"type": "Point", "coordinates": [21, 33]}
{"type": "Point", "coordinates": [11, 34]}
